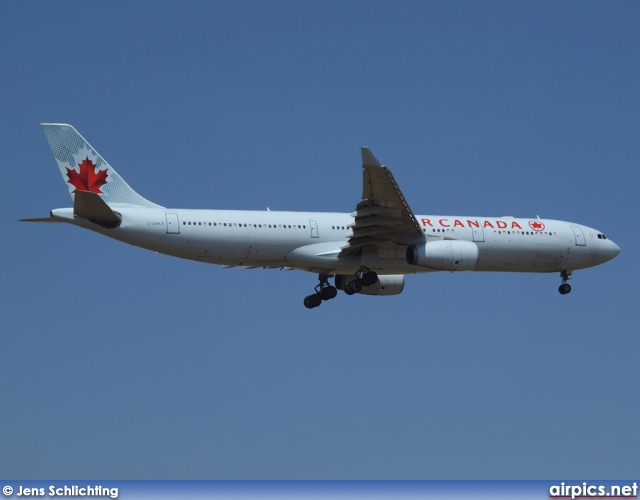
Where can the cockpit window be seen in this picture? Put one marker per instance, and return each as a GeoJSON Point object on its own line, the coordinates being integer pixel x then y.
{"type": "Point", "coordinates": [601, 236]}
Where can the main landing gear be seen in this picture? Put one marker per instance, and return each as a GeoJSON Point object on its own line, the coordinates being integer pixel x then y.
{"type": "Point", "coordinates": [364, 277]}
{"type": "Point", "coordinates": [565, 288]}
{"type": "Point", "coordinates": [324, 291]}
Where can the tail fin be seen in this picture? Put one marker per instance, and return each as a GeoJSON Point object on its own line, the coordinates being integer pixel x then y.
{"type": "Point", "coordinates": [83, 169]}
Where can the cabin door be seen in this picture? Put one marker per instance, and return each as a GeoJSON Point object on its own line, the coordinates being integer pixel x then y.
{"type": "Point", "coordinates": [580, 241]}
{"type": "Point", "coordinates": [173, 227]}
{"type": "Point", "coordinates": [314, 229]}
{"type": "Point", "coordinates": [478, 233]}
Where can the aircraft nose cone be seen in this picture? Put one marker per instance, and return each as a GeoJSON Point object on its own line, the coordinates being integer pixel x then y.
{"type": "Point", "coordinates": [615, 250]}
{"type": "Point", "coordinates": [611, 251]}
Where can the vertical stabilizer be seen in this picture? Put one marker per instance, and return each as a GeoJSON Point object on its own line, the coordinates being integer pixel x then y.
{"type": "Point", "coordinates": [83, 169]}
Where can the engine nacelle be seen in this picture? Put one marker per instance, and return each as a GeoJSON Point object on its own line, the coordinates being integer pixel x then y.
{"type": "Point", "coordinates": [388, 284]}
{"type": "Point", "coordinates": [444, 255]}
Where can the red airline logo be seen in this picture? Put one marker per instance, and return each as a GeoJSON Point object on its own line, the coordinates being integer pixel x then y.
{"type": "Point", "coordinates": [88, 179]}
{"type": "Point", "coordinates": [536, 225]}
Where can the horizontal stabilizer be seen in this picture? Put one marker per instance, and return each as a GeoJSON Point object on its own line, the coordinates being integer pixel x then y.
{"type": "Point", "coordinates": [90, 206]}
{"type": "Point", "coordinates": [41, 219]}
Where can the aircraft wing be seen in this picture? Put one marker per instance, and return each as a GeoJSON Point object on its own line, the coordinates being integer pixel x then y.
{"type": "Point", "coordinates": [383, 219]}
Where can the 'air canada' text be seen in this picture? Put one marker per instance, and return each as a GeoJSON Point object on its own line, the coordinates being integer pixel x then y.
{"type": "Point", "coordinates": [500, 224]}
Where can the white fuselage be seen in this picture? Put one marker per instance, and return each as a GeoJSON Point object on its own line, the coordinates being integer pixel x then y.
{"type": "Point", "coordinates": [311, 241]}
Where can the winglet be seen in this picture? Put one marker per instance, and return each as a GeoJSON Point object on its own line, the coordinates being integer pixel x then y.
{"type": "Point", "coordinates": [369, 159]}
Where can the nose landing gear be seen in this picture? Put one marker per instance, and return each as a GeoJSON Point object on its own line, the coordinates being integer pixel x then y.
{"type": "Point", "coordinates": [324, 291]}
{"type": "Point", "coordinates": [565, 288]}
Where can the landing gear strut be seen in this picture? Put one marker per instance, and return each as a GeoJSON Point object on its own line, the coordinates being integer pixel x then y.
{"type": "Point", "coordinates": [565, 288]}
{"type": "Point", "coordinates": [324, 291]}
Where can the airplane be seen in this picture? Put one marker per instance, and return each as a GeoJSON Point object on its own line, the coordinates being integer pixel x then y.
{"type": "Point", "coordinates": [369, 251]}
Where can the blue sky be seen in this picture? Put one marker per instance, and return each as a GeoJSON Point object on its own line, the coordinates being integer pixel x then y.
{"type": "Point", "coordinates": [120, 363]}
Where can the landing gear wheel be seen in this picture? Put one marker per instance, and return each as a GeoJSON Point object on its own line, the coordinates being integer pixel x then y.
{"type": "Point", "coordinates": [565, 288]}
{"type": "Point", "coordinates": [354, 286]}
{"type": "Point", "coordinates": [311, 301]}
{"type": "Point", "coordinates": [315, 299]}
{"type": "Point", "coordinates": [369, 278]}
{"type": "Point", "coordinates": [329, 292]}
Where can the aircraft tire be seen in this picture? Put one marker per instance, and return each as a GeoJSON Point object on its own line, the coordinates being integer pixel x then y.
{"type": "Point", "coordinates": [565, 288]}
{"type": "Point", "coordinates": [329, 293]}
{"type": "Point", "coordinates": [311, 301]}
{"type": "Point", "coordinates": [315, 300]}
{"type": "Point", "coordinates": [354, 286]}
{"type": "Point", "coordinates": [369, 278]}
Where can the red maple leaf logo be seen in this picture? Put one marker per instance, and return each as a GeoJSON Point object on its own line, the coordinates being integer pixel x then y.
{"type": "Point", "coordinates": [536, 226]}
{"type": "Point", "coordinates": [88, 179]}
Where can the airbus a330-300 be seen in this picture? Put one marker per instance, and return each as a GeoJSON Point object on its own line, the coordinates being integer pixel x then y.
{"type": "Point", "coordinates": [369, 251]}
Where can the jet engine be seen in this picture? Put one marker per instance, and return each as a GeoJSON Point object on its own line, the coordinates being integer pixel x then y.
{"type": "Point", "coordinates": [388, 284]}
{"type": "Point", "coordinates": [444, 255]}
